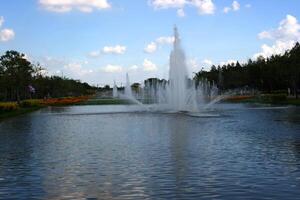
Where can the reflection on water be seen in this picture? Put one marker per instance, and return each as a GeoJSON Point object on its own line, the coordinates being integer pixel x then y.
{"type": "Point", "coordinates": [105, 152]}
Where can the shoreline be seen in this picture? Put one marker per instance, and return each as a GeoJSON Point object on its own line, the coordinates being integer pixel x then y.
{"type": "Point", "coordinates": [265, 99]}
{"type": "Point", "coordinates": [15, 113]}
{"type": "Point", "coordinates": [69, 101]}
{"type": "Point", "coordinates": [32, 105]}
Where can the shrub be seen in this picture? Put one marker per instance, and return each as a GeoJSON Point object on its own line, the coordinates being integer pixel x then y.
{"type": "Point", "coordinates": [274, 98]}
{"type": "Point", "coordinates": [8, 106]}
{"type": "Point", "coordinates": [281, 92]}
{"type": "Point", "coordinates": [30, 103]}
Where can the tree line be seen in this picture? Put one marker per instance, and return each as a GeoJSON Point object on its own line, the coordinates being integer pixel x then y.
{"type": "Point", "coordinates": [20, 79]}
{"type": "Point", "coordinates": [276, 73]}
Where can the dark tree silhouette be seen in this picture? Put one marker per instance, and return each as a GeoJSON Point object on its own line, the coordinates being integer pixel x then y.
{"type": "Point", "coordinates": [276, 73]}
{"type": "Point", "coordinates": [17, 74]}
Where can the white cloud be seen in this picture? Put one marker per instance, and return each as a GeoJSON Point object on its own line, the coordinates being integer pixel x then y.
{"type": "Point", "coordinates": [196, 66]}
{"type": "Point", "coordinates": [85, 9]}
{"type": "Point", "coordinates": [149, 66]}
{"type": "Point", "coordinates": [180, 12]}
{"type": "Point", "coordinates": [1, 21]}
{"type": "Point", "coordinates": [95, 54]}
{"type": "Point", "coordinates": [133, 68]}
{"type": "Point", "coordinates": [248, 6]}
{"type": "Point", "coordinates": [193, 64]}
{"type": "Point", "coordinates": [112, 68]}
{"type": "Point", "coordinates": [226, 9]}
{"type": "Point", "coordinates": [284, 37]}
{"type": "Point", "coordinates": [278, 48]}
{"type": "Point", "coordinates": [203, 6]}
{"type": "Point", "coordinates": [69, 5]}
{"type": "Point", "coordinates": [235, 5]}
{"type": "Point", "coordinates": [163, 4]}
{"type": "Point", "coordinates": [118, 49]}
{"type": "Point", "coordinates": [6, 35]}
{"type": "Point", "coordinates": [76, 68]}
{"type": "Point", "coordinates": [52, 64]}
{"type": "Point", "coordinates": [289, 29]}
{"type": "Point", "coordinates": [228, 62]}
{"type": "Point", "coordinates": [164, 40]}
{"type": "Point", "coordinates": [207, 62]}
{"type": "Point", "coordinates": [265, 35]}
{"type": "Point", "coordinates": [58, 66]}
{"type": "Point", "coordinates": [150, 48]}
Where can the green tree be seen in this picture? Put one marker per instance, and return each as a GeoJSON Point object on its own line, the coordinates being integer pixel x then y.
{"type": "Point", "coordinates": [276, 73]}
{"type": "Point", "coordinates": [17, 74]}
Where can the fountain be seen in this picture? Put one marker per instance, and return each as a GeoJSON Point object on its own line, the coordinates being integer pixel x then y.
{"type": "Point", "coordinates": [115, 90]}
{"type": "Point", "coordinates": [178, 76]}
{"type": "Point", "coordinates": [128, 91]}
{"type": "Point", "coordinates": [179, 94]}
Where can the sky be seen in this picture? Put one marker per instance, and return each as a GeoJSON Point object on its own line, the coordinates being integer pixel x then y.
{"type": "Point", "coordinates": [99, 41]}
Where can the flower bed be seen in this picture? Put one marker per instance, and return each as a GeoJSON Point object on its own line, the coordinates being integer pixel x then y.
{"type": "Point", "coordinates": [239, 98]}
{"type": "Point", "coordinates": [31, 103]}
{"type": "Point", "coordinates": [11, 109]}
{"type": "Point", "coordinates": [64, 101]}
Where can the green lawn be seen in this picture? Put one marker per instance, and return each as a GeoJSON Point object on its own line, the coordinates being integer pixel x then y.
{"type": "Point", "coordinates": [270, 99]}
{"type": "Point", "coordinates": [104, 102]}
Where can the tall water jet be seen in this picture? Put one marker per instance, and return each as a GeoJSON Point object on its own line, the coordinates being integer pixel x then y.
{"type": "Point", "coordinates": [178, 76]}
{"type": "Point", "coordinates": [128, 91]}
{"type": "Point", "coordinates": [115, 90]}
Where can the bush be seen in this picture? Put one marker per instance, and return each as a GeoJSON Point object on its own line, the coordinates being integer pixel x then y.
{"type": "Point", "coordinates": [273, 98]}
{"type": "Point", "coordinates": [8, 106]}
{"type": "Point", "coordinates": [30, 103]}
{"type": "Point", "coordinates": [281, 92]}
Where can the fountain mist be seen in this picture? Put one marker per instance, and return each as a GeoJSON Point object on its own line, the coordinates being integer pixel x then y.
{"type": "Point", "coordinates": [178, 76]}
{"type": "Point", "coordinates": [179, 93]}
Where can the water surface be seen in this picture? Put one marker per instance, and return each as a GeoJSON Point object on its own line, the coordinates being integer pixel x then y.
{"type": "Point", "coordinates": [106, 152]}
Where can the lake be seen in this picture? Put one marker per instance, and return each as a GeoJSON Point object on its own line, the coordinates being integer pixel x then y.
{"type": "Point", "coordinates": [118, 152]}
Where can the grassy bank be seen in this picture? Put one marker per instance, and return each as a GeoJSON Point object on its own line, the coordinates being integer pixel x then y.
{"type": "Point", "coordinates": [276, 99]}
{"type": "Point", "coordinates": [11, 109]}
{"type": "Point", "coordinates": [104, 102]}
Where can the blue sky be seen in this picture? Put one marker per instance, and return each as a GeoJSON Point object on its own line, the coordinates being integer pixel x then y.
{"type": "Point", "coordinates": [101, 40]}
